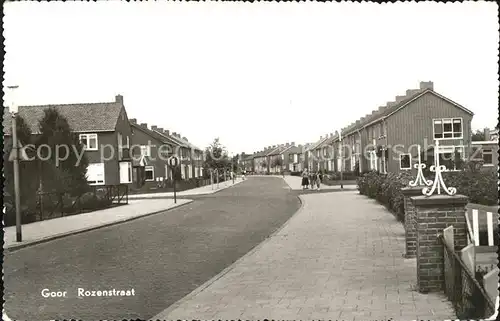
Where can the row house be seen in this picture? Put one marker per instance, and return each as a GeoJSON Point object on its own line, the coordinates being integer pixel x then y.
{"type": "Point", "coordinates": [246, 162]}
{"type": "Point", "coordinates": [276, 158]}
{"type": "Point", "coordinates": [104, 130]}
{"type": "Point", "coordinates": [261, 159]}
{"type": "Point", "coordinates": [157, 145]}
{"type": "Point", "coordinates": [294, 158]}
{"type": "Point", "coordinates": [386, 140]}
{"type": "Point", "coordinates": [313, 154]}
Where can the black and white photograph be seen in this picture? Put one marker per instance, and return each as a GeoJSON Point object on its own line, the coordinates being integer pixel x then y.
{"type": "Point", "coordinates": [248, 160]}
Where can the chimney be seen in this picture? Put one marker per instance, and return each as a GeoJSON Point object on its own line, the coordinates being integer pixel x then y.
{"type": "Point", "coordinates": [382, 108]}
{"type": "Point", "coordinates": [427, 85]}
{"type": "Point", "coordinates": [331, 135]}
{"type": "Point", "coordinates": [184, 138]}
{"type": "Point", "coordinates": [287, 144]}
{"type": "Point", "coordinates": [320, 137]}
{"type": "Point", "coordinates": [336, 133]}
{"type": "Point", "coordinates": [154, 127]}
{"type": "Point", "coordinates": [160, 129]}
{"type": "Point", "coordinates": [292, 143]}
{"type": "Point", "coordinates": [400, 98]}
{"type": "Point", "coordinates": [144, 125]}
{"type": "Point", "coordinates": [411, 92]}
{"type": "Point", "coordinates": [133, 120]}
{"type": "Point", "coordinates": [487, 136]}
{"type": "Point", "coordinates": [167, 132]}
{"type": "Point", "coordinates": [119, 99]}
{"type": "Point", "coordinates": [174, 134]}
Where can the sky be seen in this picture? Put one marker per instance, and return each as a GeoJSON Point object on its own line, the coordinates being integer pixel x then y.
{"type": "Point", "coordinates": [256, 74]}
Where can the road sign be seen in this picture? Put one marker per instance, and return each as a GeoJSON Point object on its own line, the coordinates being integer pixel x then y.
{"type": "Point", "coordinates": [173, 161]}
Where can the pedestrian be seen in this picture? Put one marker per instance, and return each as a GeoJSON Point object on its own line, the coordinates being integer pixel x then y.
{"type": "Point", "coordinates": [318, 180]}
{"type": "Point", "coordinates": [243, 174]}
{"type": "Point", "coordinates": [313, 180]}
{"type": "Point", "coordinates": [305, 179]}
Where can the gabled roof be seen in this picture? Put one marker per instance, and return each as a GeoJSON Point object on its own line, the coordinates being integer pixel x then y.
{"type": "Point", "coordinates": [295, 150]}
{"type": "Point", "coordinates": [171, 138]}
{"type": "Point", "coordinates": [279, 150]}
{"type": "Point", "coordinates": [317, 143]}
{"type": "Point", "coordinates": [86, 117]}
{"type": "Point", "coordinates": [154, 134]}
{"type": "Point", "coordinates": [394, 106]}
{"type": "Point", "coordinates": [186, 143]}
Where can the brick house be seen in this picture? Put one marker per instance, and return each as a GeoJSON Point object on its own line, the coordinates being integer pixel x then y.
{"type": "Point", "coordinates": [246, 162]}
{"type": "Point", "coordinates": [151, 151]}
{"type": "Point", "coordinates": [276, 158]}
{"type": "Point", "coordinates": [418, 117]}
{"type": "Point", "coordinates": [313, 153]}
{"type": "Point", "coordinates": [191, 157]}
{"type": "Point", "coordinates": [294, 158]}
{"type": "Point", "coordinates": [104, 130]}
{"type": "Point", "coordinates": [261, 160]}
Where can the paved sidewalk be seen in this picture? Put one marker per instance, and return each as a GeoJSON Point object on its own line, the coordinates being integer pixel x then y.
{"type": "Point", "coordinates": [38, 232]}
{"type": "Point", "coordinates": [204, 190]}
{"type": "Point", "coordinates": [295, 184]}
{"type": "Point", "coordinates": [339, 257]}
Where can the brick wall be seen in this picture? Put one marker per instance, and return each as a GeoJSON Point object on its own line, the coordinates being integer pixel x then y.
{"type": "Point", "coordinates": [434, 214]}
{"type": "Point", "coordinates": [410, 221]}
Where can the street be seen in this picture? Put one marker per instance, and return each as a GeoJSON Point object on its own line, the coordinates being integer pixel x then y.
{"type": "Point", "coordinates": [161, 257]}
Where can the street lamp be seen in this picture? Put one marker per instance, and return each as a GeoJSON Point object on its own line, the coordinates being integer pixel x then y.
{"type": "Point", "coordinates": [15, 148]}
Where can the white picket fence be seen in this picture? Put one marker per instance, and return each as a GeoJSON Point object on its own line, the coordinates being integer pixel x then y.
{"type": "Point", "coordinates": [473, 227]}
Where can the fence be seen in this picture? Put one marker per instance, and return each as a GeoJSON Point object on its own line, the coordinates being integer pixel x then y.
{"type": "Point", "coordinates": [58, 204]}
{"type": "Point", "coordinates": [467, 294]}
{"type": "Point", "coordinates": [481, 222]}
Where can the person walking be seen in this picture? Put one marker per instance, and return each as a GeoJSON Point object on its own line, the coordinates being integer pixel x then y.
{"type": "Point", "coordinates": [305, 179]}
{"type": "Point", "coordinates": [243, 174]}
{"type": "Point", "coordinates": [313, 180]}
{"type": "Point", "coordinates": [318, 179]}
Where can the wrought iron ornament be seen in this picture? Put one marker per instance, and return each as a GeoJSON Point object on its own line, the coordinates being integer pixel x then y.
{"type": "Point", "coordinates": [438, 179]}
{"type": "Point", "coordinates": [420, 180]}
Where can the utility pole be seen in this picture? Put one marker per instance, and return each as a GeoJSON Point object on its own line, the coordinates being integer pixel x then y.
{"type": "Point", "coordinates": [341, 161]}
{"type": "Point", "coordinates": [15, 148]}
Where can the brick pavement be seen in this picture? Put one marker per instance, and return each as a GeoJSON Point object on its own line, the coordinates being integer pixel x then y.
{"type": "Point", "coordinates": [339, 257]}
{"type": "Point", "coordinates": [37, 232]}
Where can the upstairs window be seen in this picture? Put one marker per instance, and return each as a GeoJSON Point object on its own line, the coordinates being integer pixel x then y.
{"type": "Point", "coordinates": [488, 156]}
{"type": "Point", "coordinates": [89, 141]}
{"type": "Point", "coordinates": [448, 128]}
{"type": "Point", "coordinates": [146, 150]}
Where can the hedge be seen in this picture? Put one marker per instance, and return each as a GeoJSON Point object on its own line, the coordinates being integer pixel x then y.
{"type": "Point", "coordinates": [481, 187]}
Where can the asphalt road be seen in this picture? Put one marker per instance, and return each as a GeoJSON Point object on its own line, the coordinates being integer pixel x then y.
{"type": "Point", "coordinates": [162, 257]}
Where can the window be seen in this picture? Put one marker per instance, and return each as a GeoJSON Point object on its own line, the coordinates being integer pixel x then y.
{"type": "Point", "coordinates": [449, 156]}
{"type": "Point", "coordinates": [146, 150]}
{"type": "Point", "coordinates": [150, 173]}
{"type": "Point", "coordinates": [291, 157]}
{"type": "Point", "coordinates": [125, 172]}
{"type": "Point", "coordinates": [405, 161]}
{"type": "Point", "coordinates": [89, 141]}
{"type": "Point", "coordinates": [448, 128]}
{"type": "Point", "coordinates": [95, 174]}
{"type": "Point", "coordinates": [488, 156]}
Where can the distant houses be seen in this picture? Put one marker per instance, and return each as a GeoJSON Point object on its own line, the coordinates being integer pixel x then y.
{"type": "Point", "coordinates": [386, 139]}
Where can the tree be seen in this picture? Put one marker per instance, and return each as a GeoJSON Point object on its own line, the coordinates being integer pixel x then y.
{"type": "Point", "coordinates": [478, 136]}
{"type": "Point", "coordinates": [277, 162]}
{"type": "Point", "coordinates": [216, 156]}
{"type": "Point", "coordinates": [27, 174]}
{"type": "Point", "coordinates": [63, 174]}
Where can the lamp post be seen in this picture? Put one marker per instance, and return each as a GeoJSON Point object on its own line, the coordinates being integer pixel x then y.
{"type": "Point", "coordinates": [341, 160]}
{"type": "Point", "coordinates": [15, 148]}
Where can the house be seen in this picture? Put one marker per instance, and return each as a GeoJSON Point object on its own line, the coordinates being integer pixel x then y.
{"type": "Point", "coordinates": [104, 130]}
{"type": "Point", "coordinates": [246, 162]}
{"type": "Point", "coordinates": [150, 152]}
{"type": "Point", "coordinates": [276, 158]}
{"type": "Point", "coordinates": [191, 157]}
{"type": "Point", "coordinates": [294, 158]}
{"type": "Point", "coordinates": [487, 150]}
{"type": "Point", "coordinates": [313, 154]}
{"type": "Point", "coordinates": [386, 140]}
{"type": "Point", "coordinates": [261, 160]}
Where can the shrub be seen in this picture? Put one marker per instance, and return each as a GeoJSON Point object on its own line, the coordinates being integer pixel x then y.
{"type": "Point", "coordinates": [480, 186]}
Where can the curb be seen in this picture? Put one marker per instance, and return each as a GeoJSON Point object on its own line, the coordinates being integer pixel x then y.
{"type": "Point", "coordinates": [185, 195]}
{"type": "Point", "coordinates": [16, 247]}
{"type": "Point", "coordinates": [205, 285]}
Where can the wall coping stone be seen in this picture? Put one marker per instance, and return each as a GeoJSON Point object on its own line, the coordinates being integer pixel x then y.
{"type": "Point", "coordinates": [456, 200]}
{"type": "Point", "coordinates": [412, 190]}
